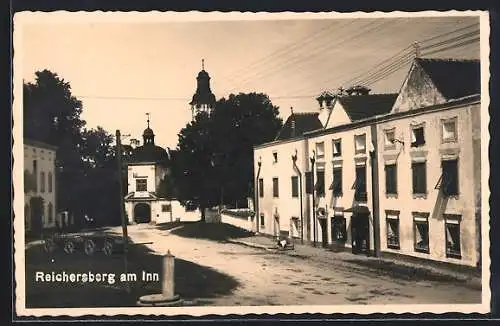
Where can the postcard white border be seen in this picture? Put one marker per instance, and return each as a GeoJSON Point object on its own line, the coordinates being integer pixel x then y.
{"type": "Point", "coordinates": [63, 17]}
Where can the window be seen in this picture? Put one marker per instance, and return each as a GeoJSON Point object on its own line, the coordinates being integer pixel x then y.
{"type": "Point", "coordinates": [141, 185]}
{"type": "Point", "coordinates": [392, 219]}
{"type": "Point", "coordinates": [295, 186]}
{"type": "Point", "coordinates": [261, 187]}
{"type": "Point", "coordinates": [42, 181]}
{"type": "Point", "coordinates": [35, 175]}
{"type": "Point", "coordinates": [360, 144]}
{"type": "Point", "coordinates": [166, 208]}
{"type": "Point", "coordinates": [390, 136]}
{"type": "Point", "coordinates": [421, 232]}
{"type": "Point", "coordinates": [50, 213]}
{"type": "Point", "coordinates": [419, 177]}
{"type": "Point", "coordinates": [360, 184]}
{"type": "Point", "coordinates": [320, 150]}
{"type": "Point", "coordinates": [275, 157]}
{"type": "Point", "coordinates": [391, 187]}
{"type": "Point", "coordinates": [337, 147]}
{"type": "Point", "coordinates": [449, 130]}
{"type": "Point", "coordinates": [452, 236]}
{"type": "Point", "coordinates": [417, 136]}
{"type": "Point", "coordinates": [276, 192]}
{"type": "Point", "coordinates": [449, 177]}
{"type": "Point", "coordinates": [262, 220]}
{"type": "Point", "coordinates": [339, 229]}
{"type": "Point", "coordinates": [320, 183]}
{"type": "Point", "coordinates": [336, 186]}
{"type": "Point", "coordinates": [49, 181]}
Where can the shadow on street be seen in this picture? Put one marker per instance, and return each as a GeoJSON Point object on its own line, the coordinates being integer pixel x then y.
{"type": "Point", "coordinates": [192, 281]}
{"type": "Point", "coordinates": [211, 231]}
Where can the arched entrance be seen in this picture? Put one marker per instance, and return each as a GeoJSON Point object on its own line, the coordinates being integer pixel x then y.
{"type": "Point", "coordinates": [142, 213]}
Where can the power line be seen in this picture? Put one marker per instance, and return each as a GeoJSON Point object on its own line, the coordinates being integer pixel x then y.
{"type": "Point", "coordinates": [286, 63]}
{"type": "Point", "coordinates": [291, 46]}
{"type": "Point", "coordinates": [382, 72]}
{"type": "Point", "coordinates": [447, 33]}
{"type": "Point", "coordinates": [453, 46]}
{"type": "Point", "coordinates": [378, 68]}
{"type": "Point", "coordinates": [457, 38]}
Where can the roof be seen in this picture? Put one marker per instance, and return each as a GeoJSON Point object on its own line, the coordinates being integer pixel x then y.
{"type": "Point", "coordinates": [360, 107]}
{"type": "Point", "coordinates": [37, 143]}
{"type": "Point", "coordinates": [453, 78]}
{"type": "Point", "coordinates": [149, 153]}
{"type": "Point", "coordinates": [304, 122]}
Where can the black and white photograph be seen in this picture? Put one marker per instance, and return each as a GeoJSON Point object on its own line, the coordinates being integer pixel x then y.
{"type": "Point", "coordinates": [203, 163]}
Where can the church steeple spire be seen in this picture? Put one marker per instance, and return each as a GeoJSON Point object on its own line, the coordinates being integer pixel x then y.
{"type": "Point", "coordinates": [203, 99]}
{"type": "Point", "coordinates": [148, 135]}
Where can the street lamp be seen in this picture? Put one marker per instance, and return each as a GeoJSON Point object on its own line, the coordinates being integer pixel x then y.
{"type": "Point", "coordinates": [313, 161]}
{"type": "Point", "coordinates": [257, 194]}
{"type": "Point", "coordinates": [294, 160]}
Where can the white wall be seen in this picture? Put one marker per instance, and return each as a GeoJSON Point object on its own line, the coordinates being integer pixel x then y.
{"type": "Point", "coordinates": [45, 158]}
{"type": "Point", "coordinates": [348, 161]}
{"type": "Point", "coordinates": [147, 171]}
{"type": "Point", "coordinates": [433, 203]}
{"type": "Point", "coordinates": [285, 206]}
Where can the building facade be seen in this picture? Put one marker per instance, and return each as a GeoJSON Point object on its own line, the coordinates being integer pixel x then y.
{"type": "Point", "coordinates": [389, 173]}
{"type": "Point", "coordinates": [39, 185]}
{"type": "Point", "coordinates": [146, 167]}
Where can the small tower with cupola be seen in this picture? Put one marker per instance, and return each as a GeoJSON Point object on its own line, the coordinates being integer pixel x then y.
{"type": "Point", "coordinates": [203, 99]}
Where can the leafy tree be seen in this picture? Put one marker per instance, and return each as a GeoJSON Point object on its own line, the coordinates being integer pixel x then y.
{"type": "Point", "coordinates": [87, 181]}
{"type": "Point", "coordinates": [214, 159]}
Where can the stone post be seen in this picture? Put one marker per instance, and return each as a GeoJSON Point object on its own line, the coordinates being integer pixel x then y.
{"type": "Point", "coordinates": [168, 284]}
{"type": "Point", "coordinates": [167, 297]}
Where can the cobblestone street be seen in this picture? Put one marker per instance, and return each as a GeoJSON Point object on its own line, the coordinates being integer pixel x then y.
{"type": "Point", "coordinates": [271, 278]}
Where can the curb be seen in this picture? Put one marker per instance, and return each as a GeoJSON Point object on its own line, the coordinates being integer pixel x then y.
{"type": "Point", "coordinates": [250, 244]}
{"type": "Point", "coordinates": [471, 283]}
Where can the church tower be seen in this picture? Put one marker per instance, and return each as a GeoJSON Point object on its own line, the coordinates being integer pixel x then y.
{"type": "Point", "coordinates": [203, 100]}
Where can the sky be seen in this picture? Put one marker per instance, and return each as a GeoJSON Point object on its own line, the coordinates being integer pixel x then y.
{"type": "Point", "coordinates": [123, 70]}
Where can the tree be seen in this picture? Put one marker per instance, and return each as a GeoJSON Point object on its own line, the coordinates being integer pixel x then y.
{"type": "Point", "coordinates": [214, 160]}
{"type": "Point", "coordinates": [86, 172]}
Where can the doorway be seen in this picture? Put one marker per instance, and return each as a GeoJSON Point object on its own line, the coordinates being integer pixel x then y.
{"type": "Point", "coordinates": [324, 232]}
{"type": "Point", "coordinates": [276, 226]}
{"type": "Point", "coordinates": [360, 233]}
{"type": "Point", "coordinates": [36, 214]}
{"type": "Point", "coordinates": [142, 213]}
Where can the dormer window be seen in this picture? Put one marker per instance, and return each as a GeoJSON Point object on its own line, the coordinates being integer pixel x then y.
{"type": "Point", "coordinates": [417, 136]}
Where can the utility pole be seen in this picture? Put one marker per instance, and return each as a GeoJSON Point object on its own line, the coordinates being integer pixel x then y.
{"type": "Point", "coordinates": [313, 190]}
{"type": "Point", "coordinates": [122, 204]}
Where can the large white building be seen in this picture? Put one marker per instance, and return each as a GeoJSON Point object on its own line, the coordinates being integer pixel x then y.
{"type": "Point", "coordinates": [39, 185]}
{"type": "Point", "coordinates": [391, 173]}
{"type": "Point", "coordinates": [147, 166]}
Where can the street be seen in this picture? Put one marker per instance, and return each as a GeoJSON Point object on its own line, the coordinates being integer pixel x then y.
{"type": "Point", "coordinates": [267, 278]}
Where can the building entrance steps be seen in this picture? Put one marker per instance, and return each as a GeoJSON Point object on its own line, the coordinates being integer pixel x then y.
{"type": "Point", "coordinates": [398, 266]}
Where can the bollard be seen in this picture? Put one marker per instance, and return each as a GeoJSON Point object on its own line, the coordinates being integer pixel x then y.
{"type": "Point", "coordinates": [168, 276]}
{"type": "Point", "coordinates": [167, 297]}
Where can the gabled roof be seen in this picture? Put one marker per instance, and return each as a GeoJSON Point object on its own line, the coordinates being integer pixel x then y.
{"type": "Point", "coordinates": [360, 107]}
{"type": "Point", "coordinates": [303, 122]}
{"type": "Point", "coordinates": [453, 78]}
